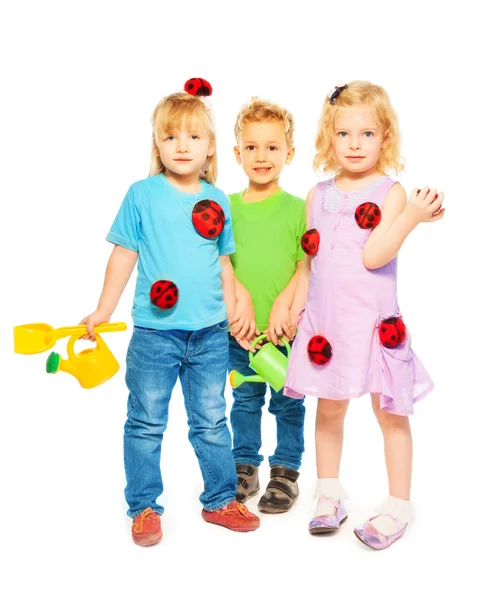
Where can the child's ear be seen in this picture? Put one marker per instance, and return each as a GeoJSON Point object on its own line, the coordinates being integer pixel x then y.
{"type": "Point", "coordinates": [237, 154]}
{"type": "Point", "coordinates": [290, 155]}
{"type": "Point", "coordinates": [386, 141]}
{"type": "Point", "coordinates": [211, 149]}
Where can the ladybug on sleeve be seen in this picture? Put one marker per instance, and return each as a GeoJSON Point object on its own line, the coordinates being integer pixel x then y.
{"type": "Point", "coordinates": [392, 332]}
{"type": "Point", "coordinates": [310, 242]}
{"type": "Point", "coordinates": [164, 294]}
{"type": "Point", "coordinates": [208, 218]}
{"type": "Point", "coordinates": [368, 215]}
{"type": "Point", "coordinates": [198, 87]}
{"type": "Point", "coordinates": [319, 350]}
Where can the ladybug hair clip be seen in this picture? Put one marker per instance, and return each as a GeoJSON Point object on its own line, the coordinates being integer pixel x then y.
{"type": "Point", "coordinates": [334, 94]}
{"type": "Point", "coordinates": [198, 87]}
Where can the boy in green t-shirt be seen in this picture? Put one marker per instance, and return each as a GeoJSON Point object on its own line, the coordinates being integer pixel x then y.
{"type": "Point", "coordinates": [268, 225]}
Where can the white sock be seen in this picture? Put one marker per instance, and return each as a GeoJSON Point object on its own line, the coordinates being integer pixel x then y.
{"type": "Point", "coordinates": [325, 490]}
{"type": "Point", "coordinates": [398, 508]}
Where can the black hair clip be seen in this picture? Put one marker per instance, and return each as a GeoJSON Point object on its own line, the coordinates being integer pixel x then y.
{"type": "Point", "coordinates": [336, 92]}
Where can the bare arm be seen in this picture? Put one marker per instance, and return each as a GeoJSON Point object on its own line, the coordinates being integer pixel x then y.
{"type": "Point", "coordinates": [118, 271]}
{"type": "Point", "coordinates": [399, 219]}
{"type": "Point", "coordinates": [228, 285]}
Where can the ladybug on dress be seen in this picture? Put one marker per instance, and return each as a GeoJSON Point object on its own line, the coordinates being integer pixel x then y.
{"type": "Point", "coordinates": [310, 242]}
{"type": "Point", "coordinates": [392, 332]}
{"type": "Point", "coordinates": [208, 218]}
{"type": "Point", "coordinates": [164, 294]}
{"type": "Point", "coordinates": [319, 350]}
{"type": "Point", "coordinates": [198, 87]}
{"type": "Point", "coordinates": [368, 215]}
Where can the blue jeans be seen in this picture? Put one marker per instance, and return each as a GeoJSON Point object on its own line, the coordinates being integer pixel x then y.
{"type": "Point", "coordinates": [246, 413]}
{"type": "Point", "coordinates": [154, 361]}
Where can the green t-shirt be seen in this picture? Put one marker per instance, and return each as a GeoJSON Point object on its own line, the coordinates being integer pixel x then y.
{"type": "Point", "coordinates": [267, 236]}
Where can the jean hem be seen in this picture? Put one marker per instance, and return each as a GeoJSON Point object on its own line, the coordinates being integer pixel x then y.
{"type": "Point", "coordinates": [218, 505]}
{"type": "Point", "coordinates": [284, 463]}
{"type": "Point", "coordinates": [246, 461]}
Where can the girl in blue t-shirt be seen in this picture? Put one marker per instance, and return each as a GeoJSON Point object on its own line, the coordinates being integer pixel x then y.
{"type": "Point", "coordinates": [176, 226]}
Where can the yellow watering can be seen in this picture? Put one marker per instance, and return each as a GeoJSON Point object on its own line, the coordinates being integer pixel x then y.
{"type": "Point", "coordinates": [269, 363]}
{"type": "Point", "coordinates": [38, 337]}
{"type": "Point", "coordinates": [91, 367]}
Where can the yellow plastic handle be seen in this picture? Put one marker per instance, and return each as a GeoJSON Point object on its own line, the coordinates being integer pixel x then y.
{"type": "Point", "coordinates": [79, 330]}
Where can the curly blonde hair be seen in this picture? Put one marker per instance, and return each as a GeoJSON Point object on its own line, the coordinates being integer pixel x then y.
{"type": "Point", "coordinates": [373, 97]}
{"type": "Point", "coordinates": [172, 113]}
{"type": "Point", "coordinates": [257, 111]}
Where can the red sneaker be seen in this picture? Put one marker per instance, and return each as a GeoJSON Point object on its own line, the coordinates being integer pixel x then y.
{"type": "Point", "coordinates": [146, 528]}
{"type": "Point", "coordinates": [234, 516]}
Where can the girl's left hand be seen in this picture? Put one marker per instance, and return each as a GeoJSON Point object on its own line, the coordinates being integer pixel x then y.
{"type": "Point", "coordinates": [425, 205]}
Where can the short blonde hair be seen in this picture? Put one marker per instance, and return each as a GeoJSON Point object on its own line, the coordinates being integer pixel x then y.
{"type": "Point", "coordinates": [178, 110]}
{"type": "Point", "coordinates": [257, 111]}
{"type": "Point", "coordinates": [373, 97]}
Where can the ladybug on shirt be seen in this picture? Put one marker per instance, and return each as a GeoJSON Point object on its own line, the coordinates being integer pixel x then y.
{"type": "Point", "coordinates": [164, 294]}
{"type": "Point", "coordinates": [319, 350]}
{"type": "Point", "coordinates": [310, 242]}
{"type": "Point", "coordinates": [392, 332]}
{"type": "Point", "coordinates": [368, 215]}
{"type": "Point", "coordinates": [208, 218]}
{"type": "Point", "coordinates": [198, 87]}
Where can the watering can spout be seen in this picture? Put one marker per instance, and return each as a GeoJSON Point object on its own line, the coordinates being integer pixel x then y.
{"type": "Point", "coordinates": [236, 379]}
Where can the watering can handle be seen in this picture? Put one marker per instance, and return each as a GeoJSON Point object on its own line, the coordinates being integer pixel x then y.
{"type": "Point", "coordinates": [263, 336]}
{"type": "Point", "coordinates": [70, 347]}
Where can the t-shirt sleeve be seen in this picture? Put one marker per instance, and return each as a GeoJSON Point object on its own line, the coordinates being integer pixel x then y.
{"type": "Point", "coordinates": [301, 225]}
{"type": "Point", "coordinates": [125, 230]}
{"type": "Point", "coordinates": [226, 242]}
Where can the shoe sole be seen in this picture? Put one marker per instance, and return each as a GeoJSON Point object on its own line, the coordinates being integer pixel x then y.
{"type": "Point", "coordinates": [315, 530]}
{"type": "Point", "coordinates": [272, 510]}
{"type": "Point", "coordinates": [237, 529]}
{"type": "Point", "coordinates": [369, 546]}
{"type": "Point", "coordinates": [145, 543]}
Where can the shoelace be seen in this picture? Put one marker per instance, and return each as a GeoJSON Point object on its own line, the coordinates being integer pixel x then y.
{"type": "Point", "coordinates": [144, 516]}
{"type": "Point", "coordinates": [238, 507]}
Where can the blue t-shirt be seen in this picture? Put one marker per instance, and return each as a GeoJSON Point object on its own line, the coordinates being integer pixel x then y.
{"type": "Point", "coordinates": [155, 221]}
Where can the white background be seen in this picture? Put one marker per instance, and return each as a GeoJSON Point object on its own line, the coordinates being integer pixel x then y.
{"type": "Point", "coordinates": [80, 81]}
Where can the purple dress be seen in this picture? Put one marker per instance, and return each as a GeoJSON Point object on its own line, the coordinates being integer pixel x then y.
{"type": "Point", "coordinates": [346, 303]}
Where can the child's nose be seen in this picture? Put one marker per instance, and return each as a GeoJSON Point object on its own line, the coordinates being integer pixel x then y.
{"type": "Point", "coordinates": [355, 143]}
{"type": "Point", "coordinates": [182, 145]}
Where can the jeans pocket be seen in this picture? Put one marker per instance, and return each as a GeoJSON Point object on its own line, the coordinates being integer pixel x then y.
{"type": "Point", "coordinates": [145, 330]}
{"type": "Point", "coordinates": [223, 325]}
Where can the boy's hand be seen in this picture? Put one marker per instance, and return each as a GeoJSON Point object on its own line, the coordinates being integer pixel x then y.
{"type": "Point", "coordinates": [425, 206]}
{"type": "Point", "coordinates": [96, 318]}
{"type": "Point", "coordinates": [280, 324]}
{"type": "Point", "coordinates": [243, 323]}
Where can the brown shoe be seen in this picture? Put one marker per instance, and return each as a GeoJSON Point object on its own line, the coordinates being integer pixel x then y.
{"type": "Point", "coordinates": [146, 529]}
{"type": "Point", "coordinates": [281, 492]}
{"type": "Point", "coordinates": [247, 482]}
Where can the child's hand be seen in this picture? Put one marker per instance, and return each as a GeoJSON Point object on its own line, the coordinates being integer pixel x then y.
{"type": "Point", "coordinates": [243, 323]}
{"type": "Point", "coordinates": [425, 206]}
{"type": "Point", "coordinates": [280, 324]}
{"type": "Point", "coordinates": [96, 318]}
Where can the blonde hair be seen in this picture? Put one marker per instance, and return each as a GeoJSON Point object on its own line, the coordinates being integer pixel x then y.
{"type": "Point", "coordinates": [373, 97]}
{"type": "Point", "coordinates": [257, 111]}
{"type": "Point", "coordinates": [178, 110]}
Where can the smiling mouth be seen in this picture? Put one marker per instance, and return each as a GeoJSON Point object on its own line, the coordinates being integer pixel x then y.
{"type": "Point", "coordinates": [183, 159]}
{"type": "Point", "coordinates": [262, 169]}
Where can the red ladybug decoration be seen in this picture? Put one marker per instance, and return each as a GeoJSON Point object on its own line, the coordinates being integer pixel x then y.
{"type": "Point", "coordinates": [198, 87]}
{"type": "Point", "coordinates": [368, 215]}
{"type": "Point", "coordinates": [319, 350]}
{"type": "Point", "coordinates": [164, 294]}
{"type": "Point", "coordinates": [310, 242]}
{"type": "Point", "coordinates": [392, 332]}
{"type": "Point", "coordinates": [208, 218]}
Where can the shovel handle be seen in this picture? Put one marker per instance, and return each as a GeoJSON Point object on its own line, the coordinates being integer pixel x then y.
{"type": "Point", "coordinates": [80, 330]}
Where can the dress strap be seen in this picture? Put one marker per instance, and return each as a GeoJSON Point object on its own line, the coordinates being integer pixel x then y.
{"type": "Point", "coordinates": [316, 205]}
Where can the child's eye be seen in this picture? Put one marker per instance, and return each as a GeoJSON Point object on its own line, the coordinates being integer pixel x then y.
{"type": "Point", "coordinates": [250, 147]}
{"type": "Point", "coordinates": [368, 133]}
{"type": "Point", "coordinates": [342, 133]}
{"type": "Point", "coordinates": [272, 147]}
{"type": "Point", "coordinates": [170, 137]}
{"type": "Point", "coordinates": [195, 137]}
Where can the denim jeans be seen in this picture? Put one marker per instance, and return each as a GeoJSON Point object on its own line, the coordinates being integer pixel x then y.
{"type": "Point", "coordinates": [246, 413]}
{"type": "Point", "coordinates": [154, 361]}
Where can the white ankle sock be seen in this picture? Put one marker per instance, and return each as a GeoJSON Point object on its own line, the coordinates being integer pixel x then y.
{"type": "Point", "coordinates": [326, 489]}
{"type": "Point", "coordinates": [398, 508]}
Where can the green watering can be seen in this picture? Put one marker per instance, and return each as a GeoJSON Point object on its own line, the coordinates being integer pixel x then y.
{"type": "Point", "coordinates": [269, 363]}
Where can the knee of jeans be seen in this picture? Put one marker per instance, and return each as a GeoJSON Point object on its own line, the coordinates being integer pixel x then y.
{"type": "Point", "coordinates": [285, 405]}
{"type": "Point", "coordinates": [250, 395]}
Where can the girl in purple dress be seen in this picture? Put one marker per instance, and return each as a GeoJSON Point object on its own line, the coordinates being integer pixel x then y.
{"type": "Point", "coordinates": [351, 336]}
